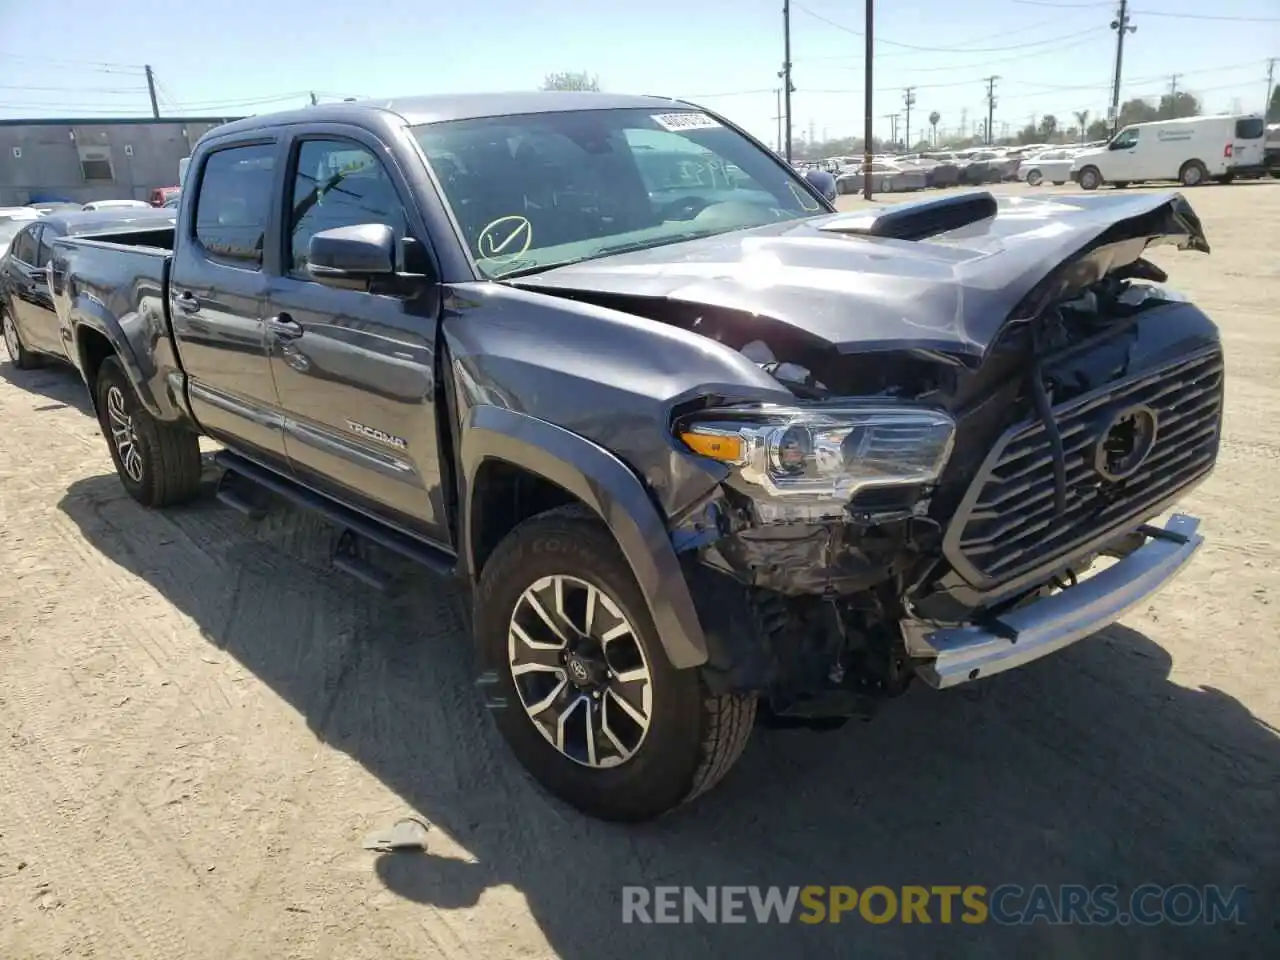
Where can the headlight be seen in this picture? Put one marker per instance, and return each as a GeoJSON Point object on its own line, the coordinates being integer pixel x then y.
{"type": "Point", "coordinates": [824, 456]}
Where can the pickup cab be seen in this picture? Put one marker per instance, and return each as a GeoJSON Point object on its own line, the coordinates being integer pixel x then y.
{"type": "Point", "coordinates": [706, 454]}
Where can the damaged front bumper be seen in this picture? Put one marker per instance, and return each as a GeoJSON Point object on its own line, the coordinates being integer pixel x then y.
{"type": "Point", "coordinates": [965, 653]}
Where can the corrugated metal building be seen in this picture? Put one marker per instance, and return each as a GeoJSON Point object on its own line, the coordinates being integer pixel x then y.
{"type": "Point", "coordinates": [83, 160]}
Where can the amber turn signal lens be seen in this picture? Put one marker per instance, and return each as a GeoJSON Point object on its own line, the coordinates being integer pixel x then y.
{"type": "Point", "coordinates": [715, 446]}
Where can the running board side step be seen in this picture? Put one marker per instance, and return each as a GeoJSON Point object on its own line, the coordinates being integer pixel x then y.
{"type": "Point", "coordinates": [354, 525]}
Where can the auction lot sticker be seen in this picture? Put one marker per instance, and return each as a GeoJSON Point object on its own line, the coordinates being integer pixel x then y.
{"type": "Point", "coordinates": [686, 120]}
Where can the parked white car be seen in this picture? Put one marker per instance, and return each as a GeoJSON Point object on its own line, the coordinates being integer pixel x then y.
{"type": "Point", "coordinates": [115, 204]}
{"type": "Point", "coordinates": [1051, 165]}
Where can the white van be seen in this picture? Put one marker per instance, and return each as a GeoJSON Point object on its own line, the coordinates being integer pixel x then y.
{"type": "Point", "coordinates": [1191, 150]}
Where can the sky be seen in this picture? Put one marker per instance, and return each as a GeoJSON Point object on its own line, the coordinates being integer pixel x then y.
{"type": "Point", "coordinates": [84, 58]}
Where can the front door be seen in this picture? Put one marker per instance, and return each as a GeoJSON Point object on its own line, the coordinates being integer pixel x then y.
{"type": "Point", "coordinates": [217, 293]}
{"type": "Point", "coordinates": [355, 367]}
{"type": "Point", "coordinates": [1123, 159]}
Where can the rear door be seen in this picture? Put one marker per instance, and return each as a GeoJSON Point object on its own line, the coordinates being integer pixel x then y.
{"type": "Point", "coordinates": [1249, 145]}
{"type": "Point", "coordinates": [28, 289]}
{"type": "Point", "coordinates": [217, 292]}
{"type": "Point", "coordinates": [356, 367]}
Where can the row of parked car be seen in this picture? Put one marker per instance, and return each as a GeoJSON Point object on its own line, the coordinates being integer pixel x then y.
{"type": "Point", "coordinates": [1035, 164]}
{"type": "Point", "coordinates": [13, 219]}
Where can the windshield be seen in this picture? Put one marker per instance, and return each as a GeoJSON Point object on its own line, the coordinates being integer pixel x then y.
{"type": "Point", "coordinates": [539, 190]}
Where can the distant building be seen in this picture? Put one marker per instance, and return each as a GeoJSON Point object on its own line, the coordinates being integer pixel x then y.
{"type": "Point", "coordinates": [83, 160]}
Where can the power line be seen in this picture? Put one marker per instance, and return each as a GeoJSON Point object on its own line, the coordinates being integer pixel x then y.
{"type": "Point", "coordinates": [981, 39]}
{"type": "Point", "coordinates": [916, 48]}
{"type": "Point", "coordinates": [1206, 16]}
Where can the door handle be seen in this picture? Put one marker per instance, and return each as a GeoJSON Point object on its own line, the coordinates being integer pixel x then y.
{"type": "Point", "coordinates": [187, 302]}
{"type": "Point", "coordinates": [284, 327]}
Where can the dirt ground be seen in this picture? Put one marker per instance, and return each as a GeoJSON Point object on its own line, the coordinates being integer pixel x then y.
{"type": "Point", "coordinates": [200, 722]}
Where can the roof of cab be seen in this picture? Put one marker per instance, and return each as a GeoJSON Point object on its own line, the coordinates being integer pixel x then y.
{"type": "Point", "coordinates": [463, 106]}
{"type": "Point", "coordinates": [80, 221]}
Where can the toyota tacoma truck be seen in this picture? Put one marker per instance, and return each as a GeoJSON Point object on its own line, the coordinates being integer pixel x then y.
{"type": "Point", "coordinates": [703, 456]}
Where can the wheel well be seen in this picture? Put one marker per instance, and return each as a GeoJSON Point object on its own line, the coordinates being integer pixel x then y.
{"type": "Point", "coordinates": [503, 495]}
{"type": "Point", "coordinates": [93, 348]}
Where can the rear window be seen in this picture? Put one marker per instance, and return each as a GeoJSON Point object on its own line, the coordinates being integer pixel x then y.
{"type": "Point", "coordinates": [1250, 128]}
{"type": "Point", "coordinates": [233, 203]}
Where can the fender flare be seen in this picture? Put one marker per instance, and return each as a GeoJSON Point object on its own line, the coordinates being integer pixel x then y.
{"type": "Point", "coordinates": [611, 490]}
{"type": "Point", "coordinates": [88, 313]}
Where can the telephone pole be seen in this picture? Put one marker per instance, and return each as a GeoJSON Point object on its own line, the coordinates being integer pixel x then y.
{"type": "Point", "coordinates": [314, 101]}
{"type": "Point", "coordinates": [908, 100]}
{"type": "Point", "coordinates": [1121, 26]}
{"type": "Point", "coordinates": [893, 127]}
{"type": "Point", "coordinates": [1173, 94]}
{"type": "Point", "coordinates": [1266, 104]}
{"type": "Point", "coordinates": [991, 103]}
{"type": "Point", "coordinates": [151, 89]}
{"type": "Point", "coordinates": [785, 75]}
{"type": "Point", "coordinates": [868, 123]}
{"type": "Point", "coordinates": [777, 97]}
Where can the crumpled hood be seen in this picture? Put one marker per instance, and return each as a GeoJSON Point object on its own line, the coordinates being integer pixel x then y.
{"type": "Point", "coordinates": [951, 293]}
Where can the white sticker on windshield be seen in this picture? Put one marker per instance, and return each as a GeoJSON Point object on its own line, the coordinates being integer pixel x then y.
{"type": "Point", "coordinates": [687, 120]}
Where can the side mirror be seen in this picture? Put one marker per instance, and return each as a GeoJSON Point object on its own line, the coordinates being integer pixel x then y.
{"type": "Point", "coordinates": [823, 182]}
{"type": "Point", "coordinates": [359, 252]}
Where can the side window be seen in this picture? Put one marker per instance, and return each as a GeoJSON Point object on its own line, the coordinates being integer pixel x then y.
{"type": "Point", "coordinates": [24, 245]}
{"type": "Point", "coordinates": [1125, 139]}
{"type": "Point", "coordinates": [233, 204]}
{"type": "Point", "coordinates": [338, 183]}
{"type": "Point", "coordinates": [44, 252]}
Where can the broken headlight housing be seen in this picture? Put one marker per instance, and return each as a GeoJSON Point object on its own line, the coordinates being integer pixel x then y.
{"type": "Point", "coordinates": [809, 462]}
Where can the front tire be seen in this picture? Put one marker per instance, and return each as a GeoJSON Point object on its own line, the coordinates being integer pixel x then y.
{"type": "Point", "coordinates": [1192, 174]}
{"type": "Point", "coordinates": [1035, 178]}
{"type": "Point", "coordinates": [1090, 178]}
{"type": "Point", "coordinates": [158, 462]}
{"type": "Point", "coordinates": [593, 709]}
{"type": "Point", "coordinates": [19, 355]}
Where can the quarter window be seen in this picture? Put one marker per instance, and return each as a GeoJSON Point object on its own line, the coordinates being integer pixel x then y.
{"type": "Point", "coordinates": [338, 184]}
{"type": "Point", "coordinates": [24, 246]}
{"type": "Point", "coordinates": [233, 204]}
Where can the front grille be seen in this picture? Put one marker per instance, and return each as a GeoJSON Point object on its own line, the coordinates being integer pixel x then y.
{"type": "Point", "coordinates": [1007, 524]}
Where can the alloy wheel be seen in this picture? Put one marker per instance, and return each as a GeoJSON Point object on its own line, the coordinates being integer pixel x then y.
{"type": "Point", "coordinates": [580, 671]}
{"type": "Point", "coordinates": [123, 435]}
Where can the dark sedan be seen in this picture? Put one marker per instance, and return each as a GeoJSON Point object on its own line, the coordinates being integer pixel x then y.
{"type": "Point", "coordinates": [26, 310]}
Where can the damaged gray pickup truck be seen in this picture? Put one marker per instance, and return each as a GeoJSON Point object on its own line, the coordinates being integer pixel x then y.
{"type": "Point", "coordinates": [706, 451]}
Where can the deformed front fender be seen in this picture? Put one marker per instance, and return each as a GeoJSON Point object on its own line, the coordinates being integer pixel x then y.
{"type": "Point", "coordinates": [606, 485]}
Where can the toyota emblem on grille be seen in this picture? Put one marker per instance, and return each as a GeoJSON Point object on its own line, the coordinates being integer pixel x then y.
{"type": "Point", "coordinates": [1125, 442]}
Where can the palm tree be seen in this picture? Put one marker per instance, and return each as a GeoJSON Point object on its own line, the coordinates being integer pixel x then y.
{"type": "Point", "coordinates": [1082, 118]}
{"type": "Point", "coordinates": [933, 122]}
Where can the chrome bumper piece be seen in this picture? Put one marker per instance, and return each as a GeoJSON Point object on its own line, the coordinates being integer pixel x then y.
{"type": "Point", "coordinates": [967, 653]}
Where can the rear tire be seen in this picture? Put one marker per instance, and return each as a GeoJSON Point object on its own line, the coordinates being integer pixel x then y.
{"type": "Point", "coordinates": [1193, 174]}
{"type": "Point", "coordinates": [1034, 178]}
{"type": "Point", "coordinates": [1090, 178]}
{"type": "Point", "coordinates": [158, 462]}
{"type": "Point", "coordinates": [571, 735]}
{"type": "Point", "coordinates": [19, 355]}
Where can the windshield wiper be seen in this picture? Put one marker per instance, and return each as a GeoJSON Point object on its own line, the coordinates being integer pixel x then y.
{"type": "Point", "coordinates": [631, 246]}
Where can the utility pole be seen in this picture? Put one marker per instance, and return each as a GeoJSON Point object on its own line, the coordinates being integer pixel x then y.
{"type": "Point", "coordinates": [908, 100]}
{"type": "Point", "coordinates": [868, 123]}
{"type": "Point", "coordinates": [785, 75]}
{"type": "Point", "coordinates": [314, 101]}
{"type": "Point", "coordinates": [991, 102]}
{"type": "Point", "coordinates": [1121, 26]}
{"type": "Point", "coordinates": [151, 89]}
{"type": "Point", "coordinates": [777, 97]}
{"type": "Point", "coordinates": [1266, 104]}
{"type": "Point", "coordinates": [893, 127]}
{"type": "Point", "coordinates": [1173, 94]}
{"type": "Point", "coordinates": [964, 123]}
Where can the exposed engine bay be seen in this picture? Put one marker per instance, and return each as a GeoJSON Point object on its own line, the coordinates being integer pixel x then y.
{"type": "Point", "coordinates": [1083, 398]}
